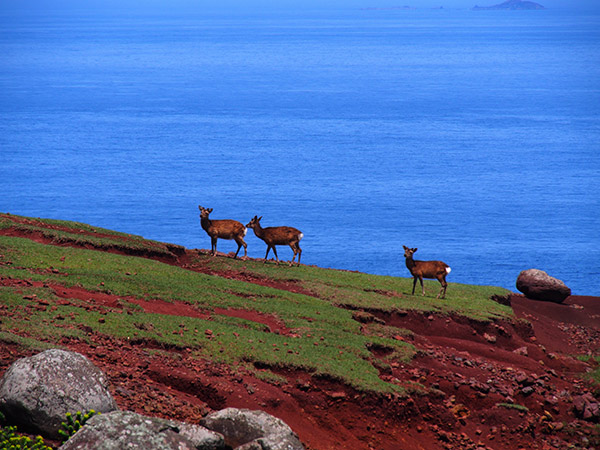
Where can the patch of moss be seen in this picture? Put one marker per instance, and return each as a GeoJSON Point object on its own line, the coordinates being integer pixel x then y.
{"type": "Point", "coordinates": [515, 406]}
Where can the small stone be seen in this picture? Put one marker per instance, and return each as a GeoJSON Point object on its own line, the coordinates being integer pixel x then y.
{"type": "Point", "coordinates": [490, 338]}
{"type": "Point", "coordinates": [528, 390]}
{"type": "Point", "coordinates": [521, 351]}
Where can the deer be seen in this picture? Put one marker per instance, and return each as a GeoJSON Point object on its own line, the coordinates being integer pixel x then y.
{"type": "Point", "coordinates": [426, 269]}
{"type": "Point", "coordinates": [277, 236]}
{"type": "Point", "coordinates": [224, 229]}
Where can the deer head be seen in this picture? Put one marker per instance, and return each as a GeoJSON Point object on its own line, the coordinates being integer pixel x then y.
{"type": "Point", "coordinates": [254, 222]}
{"type": "Point", "coordinates": [409, 252]}
{"type": "Point", "coordinates": [204, 212]}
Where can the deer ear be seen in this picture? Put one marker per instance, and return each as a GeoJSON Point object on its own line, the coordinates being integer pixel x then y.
{"type": "Point", "coordinates": [415, 249]}
{"type": "Point", "coordinates": [209, 210]}
{"type": "Point", "coordinates": [405, 247]}
{"type": "Point", "coordinates": [260, 218]}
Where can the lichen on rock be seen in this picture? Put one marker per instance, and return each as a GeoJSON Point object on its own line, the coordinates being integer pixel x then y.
{"type": "Point", "coordinates": [37, 392]}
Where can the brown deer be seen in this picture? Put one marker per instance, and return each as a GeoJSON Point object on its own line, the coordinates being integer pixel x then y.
{"type": "Point", "coordinates": [224, 229]}
{"type": "Point", "coordinates": [277, 236]}
{"type": "Point", "coordinates": [426, 269]}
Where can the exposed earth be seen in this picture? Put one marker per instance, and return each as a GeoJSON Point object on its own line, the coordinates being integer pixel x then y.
{"type": "Point", "coordinates": [504, 385]}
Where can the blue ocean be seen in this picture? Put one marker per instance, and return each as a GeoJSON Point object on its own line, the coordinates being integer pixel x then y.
{"type": "Point", "coordinates": [472, 135]}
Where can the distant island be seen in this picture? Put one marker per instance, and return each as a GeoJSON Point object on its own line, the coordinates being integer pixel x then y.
{"type": "Point", "coordinates": [512, 5]}
{"type": "Point", "coordinates": [386, 8]}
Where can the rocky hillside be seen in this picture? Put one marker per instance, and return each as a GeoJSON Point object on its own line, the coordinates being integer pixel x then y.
{"type": "Point", "coordinates": [348, 360]}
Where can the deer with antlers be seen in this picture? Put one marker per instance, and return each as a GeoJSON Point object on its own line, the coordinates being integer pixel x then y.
{"type": "Point", "coordinates": [224, 229]}
{"type": "Point", "coordinates": [277, 236]}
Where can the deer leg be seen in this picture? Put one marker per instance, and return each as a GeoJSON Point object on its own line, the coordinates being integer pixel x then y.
{"type": "Point", "coordinates": [240, 242]}
{"type": "Point", "coordinates": [422, 287]}
{"type": "Point", "coordinates": [213, 242]}
{"type": "Point", "coordinates": [299, 251]}
{"type": "Point", "coordinates": [292, 246]}
{"type": "Point", "coordinates": [414, 285]}
{"type": "Point", "coordinates": [276, 257]}
{"type": "Point", "coordinates": [267, 254]}
{"type": "Point", "coordinates": [442, 293]}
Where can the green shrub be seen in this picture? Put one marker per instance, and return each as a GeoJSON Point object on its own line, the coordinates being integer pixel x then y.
{"type": "Point", "coordinates": [10, 440]}
{"type": "Point", "coordinates": [73, 424]}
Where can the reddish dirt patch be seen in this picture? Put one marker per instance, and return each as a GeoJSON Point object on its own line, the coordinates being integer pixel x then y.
{"type": "Point", "coordinates": [273, 323]}
{"type": "Point", "coordinates": [172, 308]}
{"type": "Point", "coordinates": [463, 373]}
{"type": "Point", "coordinates": [569, 327]}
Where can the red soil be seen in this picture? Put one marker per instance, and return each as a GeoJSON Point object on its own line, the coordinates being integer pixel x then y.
{"type": "Point", "coordinates": [470, 367]}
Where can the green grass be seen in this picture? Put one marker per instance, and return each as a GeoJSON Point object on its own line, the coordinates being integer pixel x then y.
{"type": "Point", "coordinates": [24, 342]}
{"type": "Point", "coordinates": [375, 292]}
{"type": "Point", "coordinates": [341, 351]}
{"type": "Point", "coordinates": [80, 234]}
{"type": "Point", "coordinates": [594, 374]}
{"type": "Point", "coordinates": [515, 406]}
{"type": "Point", "coordinates": [325, 340]}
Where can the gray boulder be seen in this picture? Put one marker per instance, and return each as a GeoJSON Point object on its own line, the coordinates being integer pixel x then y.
{"type": "Point", "coordinates": [538, 285]}
{"type": "Point", "coordinates": [244, 429]}
{"type": "Point", "coordinates": [124, 429]}
{"type": "Point", "coordinates": [37, 392]}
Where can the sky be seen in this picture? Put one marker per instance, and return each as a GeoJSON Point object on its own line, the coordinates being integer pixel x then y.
{"type": "Point", "coordinates": [284, 4]}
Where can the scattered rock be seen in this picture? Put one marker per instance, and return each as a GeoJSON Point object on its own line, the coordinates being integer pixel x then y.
{"type": "Point", "coordinates": [37, 392]}
{"type": "Point", "coordinates": [521, 351]}
{"type": "Point", "coordinates": [480, 387]}
{"type": "Point", "coordinates": [537, 284]}
{"type": "Point", "coordinates": [524, 380]}
{"type": "Point", "coordinates": [489, 337]}
{"type": "Point", "coordinates": [124, 429]}
{"type": "Point", "coordinates": [244, 429]}
{"type": "Point", "coordinates": [527, 390]}
{"type": "Point", "coordinates": [587, 407]}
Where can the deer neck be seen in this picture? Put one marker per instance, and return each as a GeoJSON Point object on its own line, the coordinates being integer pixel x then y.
{"type": "Point", "coordinates": [205, 222]}
{"type": "Point", "coordinates": [410, 263]}
{"type": "Point", "coordinates": [258, 230]}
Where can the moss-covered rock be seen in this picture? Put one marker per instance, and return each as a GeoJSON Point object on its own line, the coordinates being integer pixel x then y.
{"type": "Point", "coordinates": [124, 429]}
{"type": "Point", "coordinates": [37, 392]}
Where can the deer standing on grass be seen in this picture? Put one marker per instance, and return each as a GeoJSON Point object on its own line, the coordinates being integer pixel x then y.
{"type": "Point", "coordinates": [224, 229]}
{"type": "Point", "coordinates": [277, 236]}
{"type": "Point", "coordinates": [426, 269]}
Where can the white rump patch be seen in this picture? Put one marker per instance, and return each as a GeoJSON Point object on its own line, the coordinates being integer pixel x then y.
{"type": "Point", "coordinates": [245, 231]}
{"type": "Point", "coordinates": [448, 269]}
{"type": "Point", "coordinates": [300, 236]}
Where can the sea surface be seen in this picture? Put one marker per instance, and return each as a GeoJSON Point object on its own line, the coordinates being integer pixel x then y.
{"type": "Point", "coordinates": [472, 135]}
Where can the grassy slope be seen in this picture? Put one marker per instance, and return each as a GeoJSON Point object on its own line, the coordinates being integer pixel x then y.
{"type": "Point", "coordinates": [75, 233]}
{"type": "Point", "coordinates": [324, 340]}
